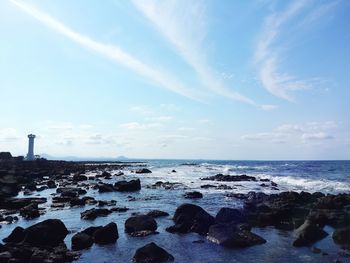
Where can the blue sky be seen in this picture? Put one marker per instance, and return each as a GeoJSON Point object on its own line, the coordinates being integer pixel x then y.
{"type": "Point", "coordinates": [176, 79]}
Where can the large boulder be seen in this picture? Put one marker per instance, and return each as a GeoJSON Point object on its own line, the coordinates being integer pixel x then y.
{"type": "Point", "coordinates": [125, 186]}
{"type": "Point", "coordinates": [50, 232]}
{"type": "Point", "coordinates": [232, 235]}
{"type": "Point", "coordinates": [342, 236]}
{"type": "Point", "coordinates": [81, 241]}
{"type": "Point", "coordinates": [151, 253]}
{"type": "Point", "coordinates": [16, 236]}
{"type": "Point", "coordinates": [107, 234]}
{"type": "Point", "coordinates": [227, 215]}
{"type": "Point", "coordinates": [105, 188]}
{"type": "Point", "coordinates": [308, 233]}
{"type": "Point", "coordinates": [191, 218]}
{"type": "Point", "coordinates": [140, 223]}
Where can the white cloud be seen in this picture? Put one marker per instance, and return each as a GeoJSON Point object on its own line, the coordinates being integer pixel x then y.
{"type": "Point", "coordinates": [183, 24]}
{"type": "Point", "coordinates": [268, 54]}
{"type": "Point", "coordinates": [293, 133]}
{"type": "Point", "coordinates": [161, 118]}
{"type": "Point", "coordinates": [317, 136]}
{"type": "Point", "coordinates": [113, 52]}
{"type": "Point", "coordinates": [267, 57]}
{"type": "Point", "coordinates": [142, 109]}
{"type": "Point", "coordinates": [139, 126]}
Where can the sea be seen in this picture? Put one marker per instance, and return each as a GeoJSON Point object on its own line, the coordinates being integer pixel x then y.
{"type": "Point", "coordinates": [329, 177]}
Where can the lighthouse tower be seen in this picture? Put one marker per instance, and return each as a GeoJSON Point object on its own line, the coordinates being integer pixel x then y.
{"type": "Point", "coordinates": [30, 155]}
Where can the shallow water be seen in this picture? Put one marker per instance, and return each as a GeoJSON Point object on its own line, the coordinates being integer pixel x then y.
{"type": "Point", "coordinates": [328, 177]}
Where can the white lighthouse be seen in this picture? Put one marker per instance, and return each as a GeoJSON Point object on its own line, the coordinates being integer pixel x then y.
{"type": "Point", "coordinates": [30, 155]}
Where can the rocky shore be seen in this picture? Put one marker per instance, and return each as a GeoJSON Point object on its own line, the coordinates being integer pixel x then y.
{"type": "Point", "coordinates": [305, 214]}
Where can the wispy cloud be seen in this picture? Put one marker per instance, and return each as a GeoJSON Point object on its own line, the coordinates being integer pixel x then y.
{"type": "Point", "coordinates": [139, 126]}
{"type": "Point", "coordinates": [268, 54]}
{"type": "Point", "coordinates": [113, 52]}
{"type": "Point", "coordinates": [182, 23]}
{"type": "Point", "coordinates": [302, 132]}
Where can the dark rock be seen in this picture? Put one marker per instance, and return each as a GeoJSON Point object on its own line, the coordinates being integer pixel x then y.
{"type": "Point", "coordinates": [152, 253]}
{"type": "Point", "coordinates": [81, 241]}
{"type": "Point", "coordinates": [191, 218]}
{"type": "Point", "coordinates": [105, 188]}
{"type": "Point", "coordinates": [125, 186]}
{"type": "Point", "coordinates": [230, 178]}
{"type": "Point", "coordinates": [119, 209]}
{"type": "Point", "coordinates": [51, 184]}
{"type": "Point", "coordinates": [91, 230]}
{"type": "Point", "coordinates": [30, 211]}
{"type": "Point", "coordinates": [50, 232]}
{"type": "Point", "coordinates": [157, 213]}
{"type": "Point", "coordinates": [143, 171]}
{"type": "Point", "coordinates": [231, 235]}
{"type": "Point", "coordinates": [342, 236]}
{"type": "Point", "coordinates": [193, 195]}
{"type": "Point", "coordinates": [93, 213]}
{"type": "Point", "coordinates": [79, 178]}
{"type": "Point", "coordinates": [173, 171]}
{"type": "Point", "coordinates": [308, 233]}
{"type": "Point", "coordinates": [140, 223]}
{"type": "Point", "coordinates": [77, 202]}
{"type": "Point", "coordinates": [107, 234]}
{"type": "Point", "coordinates": [206, 186]}
{"type": "Point", "coordinates": [227, 215]}
{"type": "Point", "coordinates": [16, 236]}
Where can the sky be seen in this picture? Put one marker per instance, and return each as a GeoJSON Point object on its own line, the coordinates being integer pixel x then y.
{"type": "Point", "coordinates": [184, 79]}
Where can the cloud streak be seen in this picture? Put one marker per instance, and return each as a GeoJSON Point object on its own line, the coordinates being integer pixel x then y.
{"type": "Point", "coordinates": [181, 23]}
{"type": "Point", "coordinates": [113, 52]}
{"type": "Point", "coordinates": [268, 54]}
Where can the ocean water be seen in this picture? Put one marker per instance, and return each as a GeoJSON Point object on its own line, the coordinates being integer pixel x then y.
{"type": "Point", "coordinates": [311, 176]}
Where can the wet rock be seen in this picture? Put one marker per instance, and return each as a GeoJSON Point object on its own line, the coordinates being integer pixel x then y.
{"type": "Point", "coordinates": [120, 173]}
{"type": "Point", "coordinates": [79, 178]}
{"type": "Point", "coordinates": [77, 202]}
{"type": "Point", "coordinates": [105, 188]}
{"type": "Point", "coordinates": [143, 171]}
{"type": "Point", "coordinates": [207, 186]}
{"type": "Point", "coordinates": [157, 213]}
{"type": "Point", "coordinates": [228, 215]}
{"type": "Point", "coordinates": [91, 230]}
{"type": "Point", "coordinates": [50, 232]}
{"type": "Point", "coordinates": [173, 171]}
{"type": "Point", "coordinates": [107, 234]}
{"type": "Point", "coordinates": [231, 235]}
{"type": "Point", "coordinates": [165, 185]}
{"type": "Point", "coordinates": [191, 218]}
{"type": "Point", "coordinates": [342, 236]}
{"type": "Point", "coordinates": [119, 209]}
{"type": "Point", "coordinates": [152, 253]}
{"type": "Point", "coordinates": [125, 186]}
{"type": "Point", "coordinates": [16, 236]}
{"type": "Point", "coordinates": [30, 211]}
{"type": "Point", "coordinates": [81, 241]}
{"type": "Point", "coordinates": [51, 184]}
{"type": "Point", "coordinates": [18, 203]}
{"type": "Point", "coordinates": [93, 213]}
{"type": "Point", "coordinates": [308, 233]}
{"type": "Point", "coordinates": [140, 223]}
{"type": "Point", "coordinates": [193, 195]}
{"type": "Point", "coordinates": [230, 178]}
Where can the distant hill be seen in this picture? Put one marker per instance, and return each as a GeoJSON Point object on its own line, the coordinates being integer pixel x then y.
{"type": "Point", "coordinates": [80, 159]}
